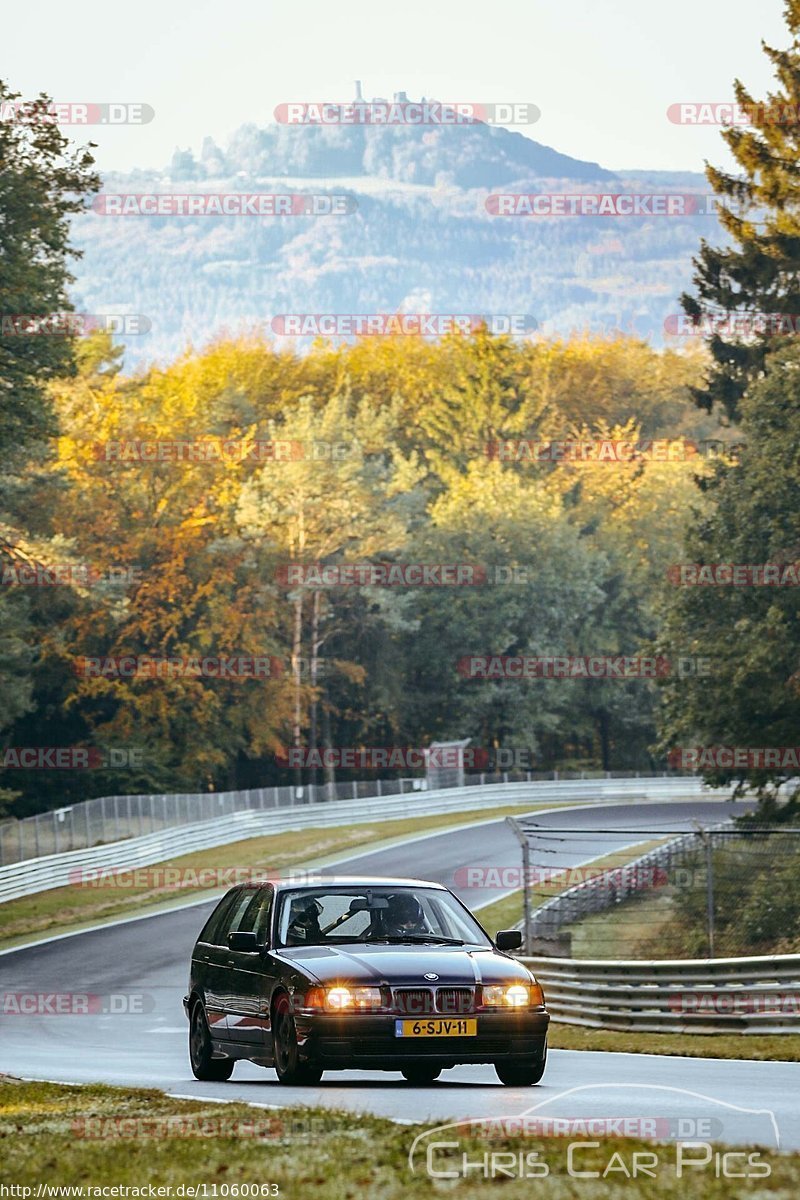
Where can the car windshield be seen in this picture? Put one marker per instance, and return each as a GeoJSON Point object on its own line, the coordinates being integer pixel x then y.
{"type": "Point", "coordinates": [332, 916]}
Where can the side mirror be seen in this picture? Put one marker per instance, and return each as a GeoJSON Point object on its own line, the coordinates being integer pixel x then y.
{"type": "Point", "coordinates": [508, 939]}
{"type": "Point", "coordinates": [243, 941]}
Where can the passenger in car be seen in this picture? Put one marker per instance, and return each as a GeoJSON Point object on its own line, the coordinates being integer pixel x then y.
{"type": "Point", "coordinates": [304, 924]}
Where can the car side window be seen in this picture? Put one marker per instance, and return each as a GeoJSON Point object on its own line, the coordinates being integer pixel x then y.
{"type": "Point", "coordinates": [211, 932]}
{"type": "Point", "coordinates": [256, 917]}
{"type": "Point", "coordinates": [237, 914]}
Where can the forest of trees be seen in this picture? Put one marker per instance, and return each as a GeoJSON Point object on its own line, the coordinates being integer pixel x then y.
{"type": "Point", "coordinates": [165, 514]}
{"type": "Point", "coordinates": [390, 451]}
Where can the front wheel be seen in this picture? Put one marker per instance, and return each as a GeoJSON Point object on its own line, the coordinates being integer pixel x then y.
{"type": "Point", "coordinates": [420, 1075]}
{"type": "Point", "coordinates": [523, 1074]}
{"type": "Point", "coordinates": [204, 1066]}
{"type": "Point", "coordinates": [288, 1067]}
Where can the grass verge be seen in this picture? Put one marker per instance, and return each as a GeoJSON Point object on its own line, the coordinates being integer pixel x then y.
{"type": "Point", "coordinates": [760, 1047]}
{"type": "Point", "coordinates": [64, 909]}
{"type": "Point", "coordinates": [97, 1136]}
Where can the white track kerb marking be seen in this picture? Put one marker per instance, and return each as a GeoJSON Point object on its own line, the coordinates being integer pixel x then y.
{"type": "Point", "coordinates": [593, 1087]}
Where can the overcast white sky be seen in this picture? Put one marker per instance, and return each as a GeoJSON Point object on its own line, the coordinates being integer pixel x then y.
{"type": "Point", "coordinates": [603, 72]}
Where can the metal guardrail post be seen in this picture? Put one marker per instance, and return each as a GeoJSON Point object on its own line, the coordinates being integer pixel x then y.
{"type": "Point", "coordinates": [709, 890]}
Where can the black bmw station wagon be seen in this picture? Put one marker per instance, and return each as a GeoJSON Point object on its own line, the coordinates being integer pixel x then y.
{"type": "Point", "coordinates": [379, 974]}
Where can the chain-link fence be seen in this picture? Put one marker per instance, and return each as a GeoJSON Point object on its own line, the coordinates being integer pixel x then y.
{"type": "Point", "coordinates": [721, 891]}
{"type": "Point", "coordinates": [112, 818]}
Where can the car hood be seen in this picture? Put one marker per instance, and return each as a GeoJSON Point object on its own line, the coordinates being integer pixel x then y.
{"type": "Point", "coordinates": [404, 964]}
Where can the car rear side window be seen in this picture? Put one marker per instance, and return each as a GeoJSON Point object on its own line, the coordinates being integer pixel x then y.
{"type": "Point", "coordinates": [235, 916]}
{"type": "Point", "coordinates": [255, 918]}
{"type": "Point", "coordinates": [216, 925]}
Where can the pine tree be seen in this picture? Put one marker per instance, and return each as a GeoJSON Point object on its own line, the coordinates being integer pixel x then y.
{"type": "Point", "coordinates": [749, 636]}
{"type": "Point", "coordinates": [759, 207]}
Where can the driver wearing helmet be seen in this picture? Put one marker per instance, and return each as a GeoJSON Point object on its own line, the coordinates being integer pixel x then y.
{"type": "Point", "coordinates": [304, 922]}
{"type": "Point", "coordinates": [404, 915]}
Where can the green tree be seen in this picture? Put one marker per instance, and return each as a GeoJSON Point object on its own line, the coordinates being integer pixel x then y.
{"type": "Point", "coordinates": [750, 634]}
{"type": "Point", "coordinates": [345, 498]}
{"type": "Point", "coordinates": [759, 207]}
{"type": "Point", "coordinates": [43, 180]}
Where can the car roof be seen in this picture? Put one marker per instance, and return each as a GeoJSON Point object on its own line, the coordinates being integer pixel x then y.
{"type": "Point", "coordinates": [290, 885]}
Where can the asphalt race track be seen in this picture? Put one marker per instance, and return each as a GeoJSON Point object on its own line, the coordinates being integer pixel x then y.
{"type": "Point", "coordinates": [143, 963]}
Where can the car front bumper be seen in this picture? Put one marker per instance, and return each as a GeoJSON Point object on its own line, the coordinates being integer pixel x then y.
{"type": "Point", "coordinates": [369, 1041]}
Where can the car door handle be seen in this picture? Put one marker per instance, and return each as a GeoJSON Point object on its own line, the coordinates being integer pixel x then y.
{"type": "Point", "coordinates": [231, 962]}
{"type": "Point", "coordinates": [206, 958]}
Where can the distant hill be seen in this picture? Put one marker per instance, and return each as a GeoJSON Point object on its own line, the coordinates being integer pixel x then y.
{"type": "Point", "coordinates": [464, 157]}
{"type": "Point", "coordinates": [421, 239]}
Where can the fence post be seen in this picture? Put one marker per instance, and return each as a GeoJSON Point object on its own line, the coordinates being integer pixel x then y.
{"type": "Point", "coordinates": [709, 892]}
{"type": "Point", "coordinates": [526, 903]}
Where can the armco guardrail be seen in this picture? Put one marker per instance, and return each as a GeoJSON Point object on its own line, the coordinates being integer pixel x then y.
{"type": "Point", "coordinates": [57, 870]}
{"type": "Point", "coordinates": [718, 995]}
{"type": "Point", "coordinates": [111, 818]}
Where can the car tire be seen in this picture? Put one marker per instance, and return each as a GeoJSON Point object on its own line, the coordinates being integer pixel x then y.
{"type": "Point", "coordinates": [421, 1075]}
{"type": "Point", "coordinates": [214, 1070]}
{"type": "Point", "coordinates": [525, 1074]}
{"type": "Point", "coordinates": [285, 1051]}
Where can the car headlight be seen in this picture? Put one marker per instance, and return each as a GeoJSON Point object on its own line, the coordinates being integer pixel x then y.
{"type": "Point", "coordinates": [343, 998]}
{"type": "Point", "coordinates": [512, 995]}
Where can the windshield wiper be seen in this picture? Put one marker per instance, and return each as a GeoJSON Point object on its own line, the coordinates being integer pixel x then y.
{"type": "Point", "coordinates": [416, 938]}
